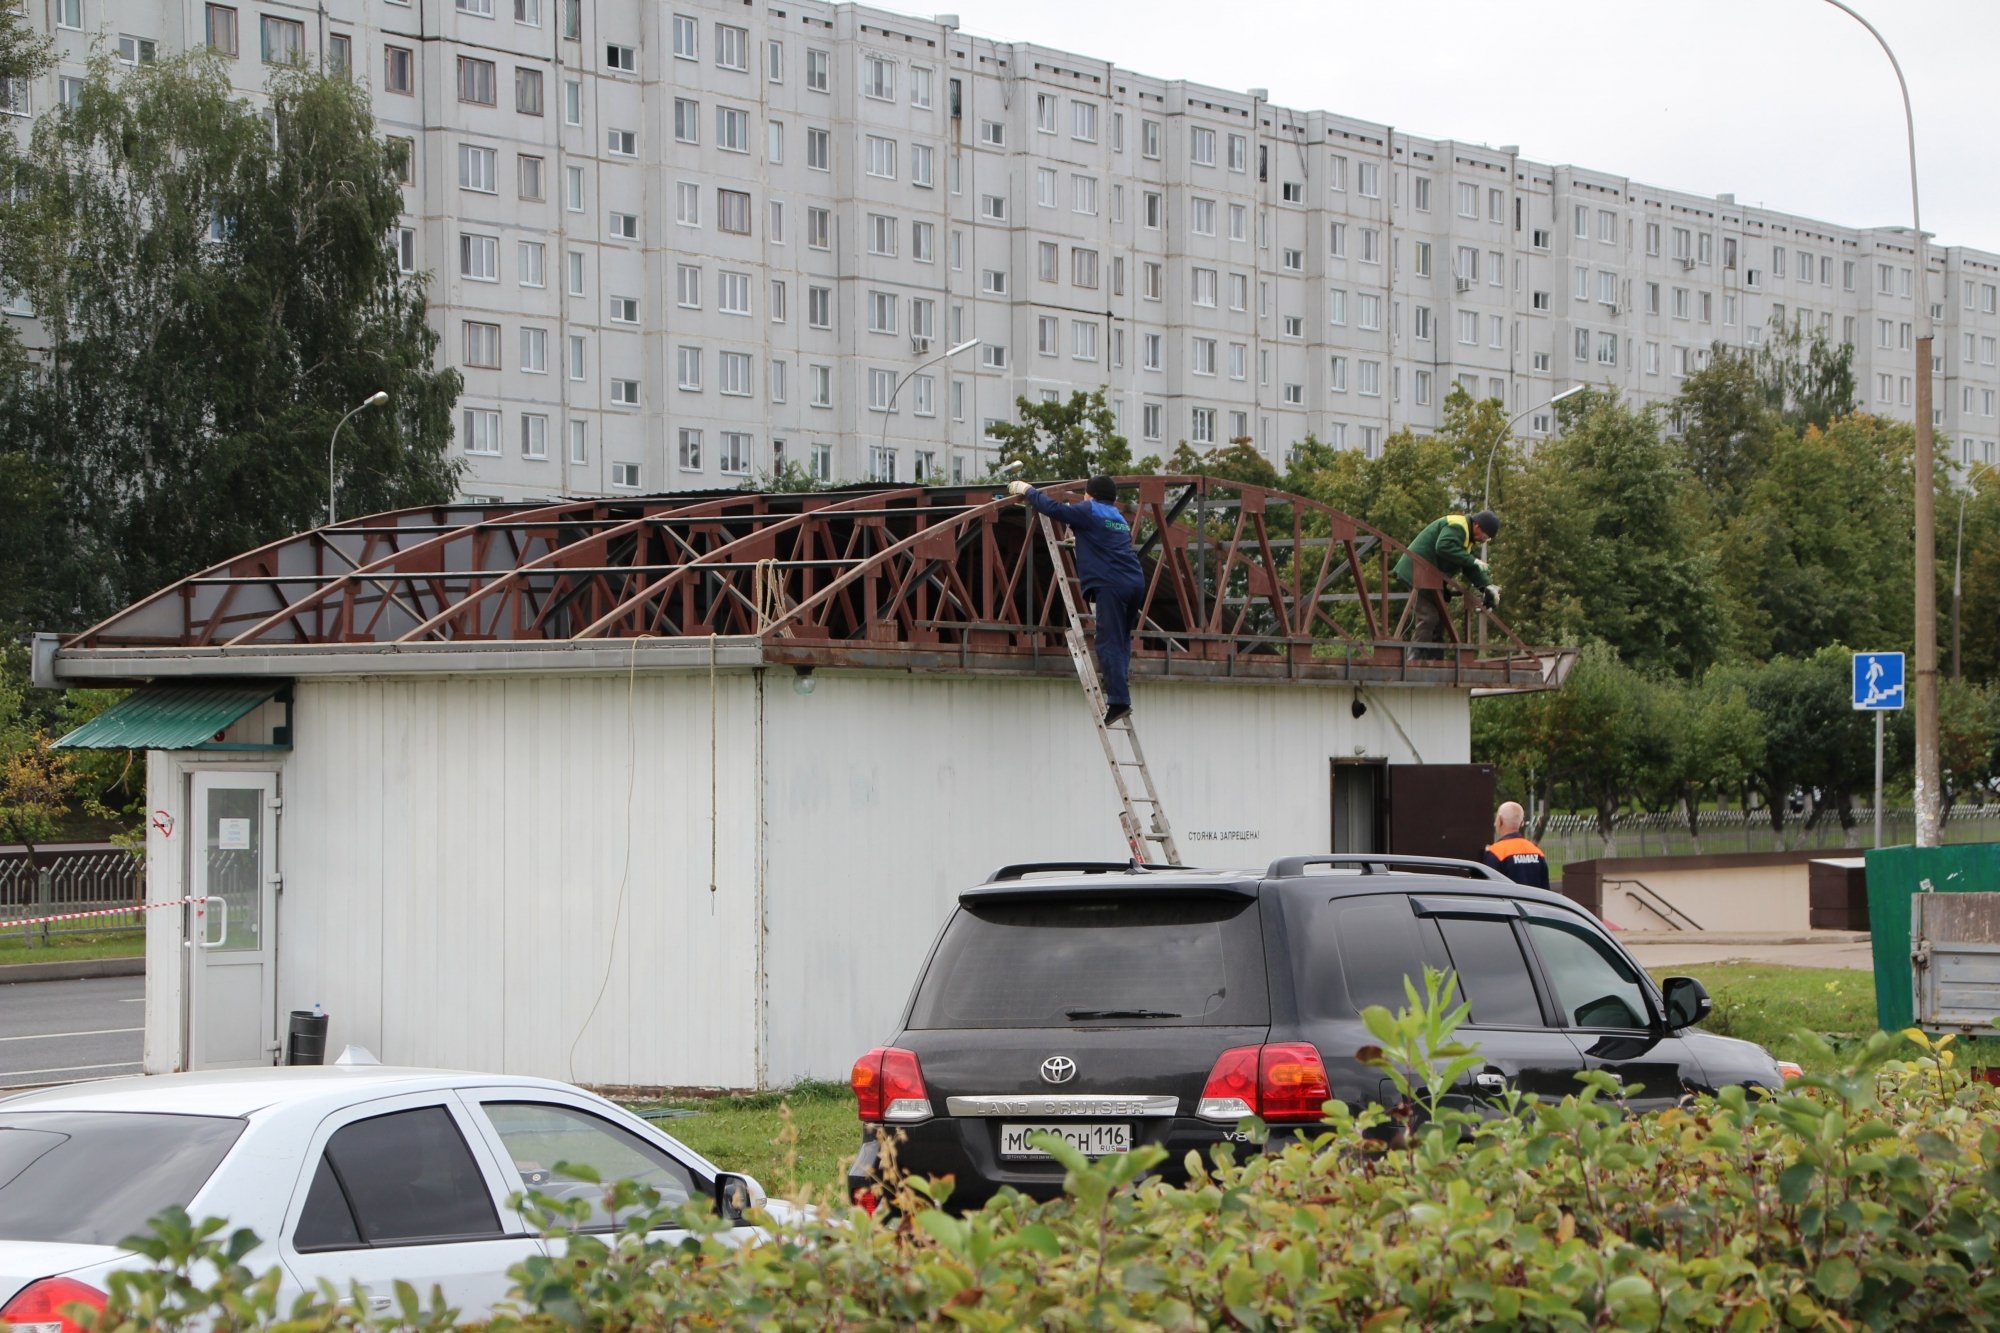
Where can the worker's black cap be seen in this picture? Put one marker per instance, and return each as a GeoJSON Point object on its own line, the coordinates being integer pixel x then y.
{"type": "Point", "coordinates": [1488, 522]}
{"type": "Point", "coordinates": [1101, 487]}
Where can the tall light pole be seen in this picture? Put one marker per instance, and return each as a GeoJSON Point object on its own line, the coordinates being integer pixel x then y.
{"type": "Point", "coordinates": [1958, 561]}
{"type": "Point", "coordinates": [375, 399]}
{"type": "Point", "coordinates": [889, 407]}
{"type": "Point", "coordinates": [1506, 434]}
{"type": "Point", "coordinates": [1929, 788]}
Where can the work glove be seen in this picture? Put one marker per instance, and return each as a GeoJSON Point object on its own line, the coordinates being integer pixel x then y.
{"type": "Point", "coordinates": [1481, 564]}
{"type": "Point", "coordinates": [1491, 596]}
{"type": "Point", "coordinates": [1018, 488]}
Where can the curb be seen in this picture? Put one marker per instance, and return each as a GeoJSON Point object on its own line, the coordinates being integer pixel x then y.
{"type": "Point", "coordinates": [75, 970]}
{"type": "Point", "coordinates": [1693, 937]}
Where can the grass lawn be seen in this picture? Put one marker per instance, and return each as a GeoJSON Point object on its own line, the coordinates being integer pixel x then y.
{"type": "Point", "coordinates": [128, 943]}
{"type": "Point", "coordinates": [1769, 1004]}
{"type": "Point", "coordinates": [750, 1134]}
{"type": "Point", "coordinates": [1755, 1002]}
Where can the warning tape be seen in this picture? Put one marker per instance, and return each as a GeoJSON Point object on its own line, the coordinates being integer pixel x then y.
{"type": "Point", "coordinates": [7, 923]}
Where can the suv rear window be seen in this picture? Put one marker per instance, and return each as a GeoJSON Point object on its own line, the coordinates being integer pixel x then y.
{"type": "Point", "coordinates": [1181, 962]}
{"type": "Point", "coordinates": [96, 1177]}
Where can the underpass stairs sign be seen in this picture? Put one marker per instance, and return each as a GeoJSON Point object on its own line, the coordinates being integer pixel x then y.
{"type": "Point", "coordinates": [1878, 681]}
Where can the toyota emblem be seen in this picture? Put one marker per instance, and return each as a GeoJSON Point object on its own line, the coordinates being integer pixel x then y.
{"type": "Point", "coordinates": [1058, 1069]}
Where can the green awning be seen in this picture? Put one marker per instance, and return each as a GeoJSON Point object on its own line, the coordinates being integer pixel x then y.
{"type": "Point", "coordinates": [177, 717]}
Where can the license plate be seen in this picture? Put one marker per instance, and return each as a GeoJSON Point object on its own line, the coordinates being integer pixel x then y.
{"type": "Point", "coordinates": [1091, 1139]}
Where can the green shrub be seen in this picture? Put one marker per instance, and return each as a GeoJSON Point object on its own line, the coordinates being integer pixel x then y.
{"type": "Point", "coordinates": [1862, 1196]}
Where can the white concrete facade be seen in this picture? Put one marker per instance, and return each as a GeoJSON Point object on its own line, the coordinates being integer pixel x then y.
{"type": "Point", "coordinates": [677, 246]}
{"type": "Point", "coordinates": [668, 879]}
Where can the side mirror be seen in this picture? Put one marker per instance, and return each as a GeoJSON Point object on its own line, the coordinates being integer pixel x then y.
{"type": "Point", "coordinates": [1687, 1002]}
{"type": "Point", "coordinates": [736, 1197]}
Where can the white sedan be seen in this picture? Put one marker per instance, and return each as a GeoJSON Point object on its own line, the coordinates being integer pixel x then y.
{"type": "Point", "coordinates": [351, 1173]}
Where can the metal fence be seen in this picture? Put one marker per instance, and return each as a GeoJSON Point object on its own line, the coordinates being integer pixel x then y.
{"type": "Point", "coordinates": [1575, 837]}
{"type": "Point", "coordinates": [72, 880]}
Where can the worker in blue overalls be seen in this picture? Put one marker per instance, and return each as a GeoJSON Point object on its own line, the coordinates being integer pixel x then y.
{"type": "Point", "coordinates": [1111, 576]}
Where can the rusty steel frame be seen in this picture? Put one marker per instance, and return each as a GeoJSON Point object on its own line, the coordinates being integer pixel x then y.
{"type": "Point", "coordinates": [1242, 581]}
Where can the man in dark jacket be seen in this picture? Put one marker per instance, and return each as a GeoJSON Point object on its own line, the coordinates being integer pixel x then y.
{"type": "Point", "coordinates": [1112, 579]}
{"type": "Point", "coordinates": [1446, 544]}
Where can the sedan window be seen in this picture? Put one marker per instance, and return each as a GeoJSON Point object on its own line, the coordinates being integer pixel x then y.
{"type": "Point", "coordinates": [544, 1141]}
{"type": "Point", "coordinates": [396, 1179]}
{"type": "Point", "coordinates": [1492, 973]}
{"type": "Point", "coordinates": [1595, 987]}
{"type": "Point", "coordinates": [94, 1178]}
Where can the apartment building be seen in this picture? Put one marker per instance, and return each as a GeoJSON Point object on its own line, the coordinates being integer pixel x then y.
{"type": "Point", "coordinates": [683, 245]}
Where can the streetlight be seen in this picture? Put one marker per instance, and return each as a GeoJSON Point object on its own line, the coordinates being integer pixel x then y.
{"type": "Point", "coordinates": [889, 407]}
{"type": "Point", "coordinates": [1506, 434]}
{"type": "Point", "coordinates": [1929, 787]}
{"type": "Point", "coordinates": [375, 399]}
{"type": "Point", "coordinates": [1958, 560]}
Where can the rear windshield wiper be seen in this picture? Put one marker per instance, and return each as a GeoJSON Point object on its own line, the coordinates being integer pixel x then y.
{"type": "Point", "coordinates": [1118, 1013]}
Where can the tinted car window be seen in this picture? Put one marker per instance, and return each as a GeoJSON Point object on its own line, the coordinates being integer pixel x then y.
{"type": "Point", "coordinates": [94, 1178]}
{"type": "Point", "coordinates": [1185, 961]}
{"type": "Point", "coordinates": [1595, 986]}
{"type": "Point", "coordinates": [543, 1141]}
{"type": "Point", "coordinates": [402, 1177]}
{"type": "Point", "coordinates": [1492, 973]}
{"type": "Point", "coordinates": [1376, 941]}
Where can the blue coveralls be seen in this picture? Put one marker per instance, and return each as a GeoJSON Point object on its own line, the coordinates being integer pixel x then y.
{"type": "Point", "coordinates": [1112, 579]}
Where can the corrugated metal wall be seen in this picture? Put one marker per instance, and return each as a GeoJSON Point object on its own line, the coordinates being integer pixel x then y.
{"type": "Point", "coordinates": [888, 794]}
{"type": "Point", "coordinates": [458, 887]}
{"type": "Point", "coordinates": [454, 849]}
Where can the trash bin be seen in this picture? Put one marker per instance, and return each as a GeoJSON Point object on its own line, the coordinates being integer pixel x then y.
{"type": "Point", "coordinates": [1894, 875]}
{"type": "Point", "coordinates": [305, 1043]}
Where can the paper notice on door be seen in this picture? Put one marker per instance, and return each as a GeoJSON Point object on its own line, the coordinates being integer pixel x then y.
{"type": "Point", "coordinates": [233, 835]}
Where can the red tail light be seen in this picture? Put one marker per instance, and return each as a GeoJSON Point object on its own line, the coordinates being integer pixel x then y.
{"type": "Point", "coordinates": [889, 1087]}
{"type": "Point", "coordinates": [39, 1306]}
{"type": "Point", "coordinates": [1283, 1082]}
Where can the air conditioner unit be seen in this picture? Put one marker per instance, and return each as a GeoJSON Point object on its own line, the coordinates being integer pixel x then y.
{"type": "Point", "coordinates": [1463, 284]}
{"type": "Point", "coordinates": [918, 346]}
{"type": "Point", "coordinates": [1616, 308]}
{"type": "Point", "coordinates": [1685, 261]}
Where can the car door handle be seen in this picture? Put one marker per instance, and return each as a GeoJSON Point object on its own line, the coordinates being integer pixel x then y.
{"type": "Point", "coordinates": [1490, 1082]}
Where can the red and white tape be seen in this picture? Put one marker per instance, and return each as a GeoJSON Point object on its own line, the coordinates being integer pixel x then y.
{"type": "Point", "coordinates": [7, 924]}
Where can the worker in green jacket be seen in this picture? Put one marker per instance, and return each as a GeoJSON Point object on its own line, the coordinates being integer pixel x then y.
{"type": "Point", "coordinates": [1447, 544]}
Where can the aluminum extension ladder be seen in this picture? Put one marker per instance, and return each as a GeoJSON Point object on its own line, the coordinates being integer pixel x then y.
{"type": "Point", "coordinates": [1078, 634]}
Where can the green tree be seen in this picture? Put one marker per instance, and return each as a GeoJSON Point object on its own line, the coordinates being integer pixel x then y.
{"type": "Point", "coordinates": [1062, 441]}
{"type": "Point", "coordinates": [1236, 461]}
{"type": "Point", "coordinates": [1726, 424]}
{"type": "Point", "coordinates": [1714, 741]}
{"type": "Point", "coordinates": [1605, 540]}
{"type": "Point", "coordinates": [1807, 379]}
{"type": "Point", "coordinates": [218, 289]}
{"type": "Point", "coordinates": [1399, 492]}
{"type": "Point", "coordinates": [1815, 742]}
{"type": "Point", "coordinates": [1978, 556]}
{"type": "Point", "coordinates": [1968, 739]}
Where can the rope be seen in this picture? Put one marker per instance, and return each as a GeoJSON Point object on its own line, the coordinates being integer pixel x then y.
{"type": "Point", "coordinates": [8, 923]}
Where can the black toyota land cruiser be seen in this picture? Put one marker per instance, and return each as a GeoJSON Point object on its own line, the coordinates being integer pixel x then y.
{"type": "Point", "coordinates": [1120, 1006]}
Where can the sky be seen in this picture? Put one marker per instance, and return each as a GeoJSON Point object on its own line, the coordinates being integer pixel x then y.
{"type": "Point", "coordinates": [1789, 104]}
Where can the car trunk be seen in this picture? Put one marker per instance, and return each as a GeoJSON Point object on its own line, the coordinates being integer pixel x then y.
{"type": "Point", "coordinates": [25, 1261]}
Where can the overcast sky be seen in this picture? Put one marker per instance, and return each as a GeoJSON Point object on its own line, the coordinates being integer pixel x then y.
{"type": "Point", "coordinates": [1787, 103]}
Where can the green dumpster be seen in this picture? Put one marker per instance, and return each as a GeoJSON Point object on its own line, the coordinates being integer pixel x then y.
{"type": "Point", "coordinates": [1895, 873]}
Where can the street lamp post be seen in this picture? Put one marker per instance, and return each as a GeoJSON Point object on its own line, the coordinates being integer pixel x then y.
{"type": "Point", "coordinates": [889, 407]}
{"type": "Point", "coordinates": [1506, 434]}
{"type": "Point", "coordinates": [375, 399]}
{"type": "Point", "coordinates": [1958, 561]}
{"type": "Point", "coordinates": [1928, 784]}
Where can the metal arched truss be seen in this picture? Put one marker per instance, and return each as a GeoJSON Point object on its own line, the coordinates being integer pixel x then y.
{"type": "Point", "coordinates": [1242, 582]}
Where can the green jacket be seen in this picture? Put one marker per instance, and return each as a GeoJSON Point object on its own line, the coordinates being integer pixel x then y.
{"type": "Point", "coordinates": [1446, 543]}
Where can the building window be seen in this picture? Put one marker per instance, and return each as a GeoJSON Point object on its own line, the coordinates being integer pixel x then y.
{"type": "Point", "coordinates": [528, 13]}
{"type": "Point", "coordinates": [534, 351]}
{"type": "Point", "coordinates": [818, 78]}
{"type": "Point", "coordinates": [577, 356]}
{"type": "Point", "coordinates": [480, 431]}
{"type": "Point", "coordinates": [687, 364]}
{"type": "Point", "coordinates": [406, 249]}
{"type": "Point", "coordinates": [993, 133]}
{"type": "Point", "coordinates": [623, 59]}
{"type": "Point", "coordinates": [137, 50]}
{"type": "Point", "coordinates": [579, 446]}
{"type": "Point", "coordinates": [476, 168]}
{"type": "Point", "coordinates": [625, 476]}
{"type": "Point", "coordinates": [534, 436]}
{"type": "Point", "coordinates": [734, 374]}
{"type": "Point", "coordinates": [624, 310]}
{"type": "Point", "coordinates": [528, 91]}
{"type": "Point", "coordinates": [528, 264]}
{"type": "Point", "coordinates": [732, 212]}
{"type": "Point", "coordinates": [482, 345]}
{"type": "Point", "coordinates": [819, 150]}
{"type": "Point", "coordinates": [732, 293]}
{"type": "Point", "coordinates": [625, 393]}
{"type": "Point", "coordinates": [732, 50]}
{"type": "Point", "coordinates": [478, 257]}
{"type": "Point", "coordinates": [221, 25]}
{"type": "Point", "coordinates": [878, 79]}
{"type": "Point", "coordinates": [475, 81]}
{"type": "Point", "coordinates": [622, 143]}
{"type": "Point", "coordinates": [732, 129]}
{"type": "Point", "coordinates": [283, 41]}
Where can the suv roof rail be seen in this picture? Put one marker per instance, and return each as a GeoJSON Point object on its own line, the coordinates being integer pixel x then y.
{"type": "Point", "coordinates": [1382, 863]}
{"type": "Point", "coordinates": [1026, 868]}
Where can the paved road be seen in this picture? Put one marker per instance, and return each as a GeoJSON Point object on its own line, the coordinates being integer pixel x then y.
{"type": "Point", "coordinates": [1854, 957]}
{"type": "Point", "coordinates": [61, 1031]}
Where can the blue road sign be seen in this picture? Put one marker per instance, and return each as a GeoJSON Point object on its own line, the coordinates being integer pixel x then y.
{"type": "Point", "coordinates": [1878, 681]}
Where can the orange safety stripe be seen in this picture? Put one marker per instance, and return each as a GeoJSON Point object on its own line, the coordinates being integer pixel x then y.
{"type": "Point", "coordinates": [1515, 846]}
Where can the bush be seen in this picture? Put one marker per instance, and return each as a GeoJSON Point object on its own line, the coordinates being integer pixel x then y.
{"type": "Point", "coordinates": [1863, 1195]}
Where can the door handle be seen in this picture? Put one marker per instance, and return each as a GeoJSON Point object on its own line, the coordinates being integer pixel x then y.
{"type": "Point", "coordinates": [223, 938]}
{"type": "Point", "coordinates": [1490, 1082]}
